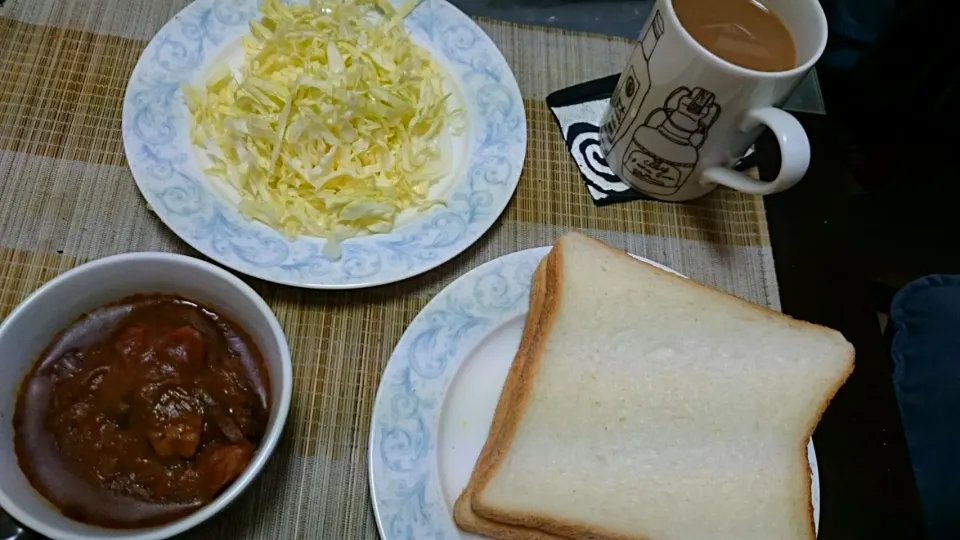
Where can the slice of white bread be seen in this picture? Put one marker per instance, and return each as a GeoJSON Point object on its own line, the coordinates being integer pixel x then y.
{"type": "Point", "coordinates": [655, 408]}
{"type": "Point", "coordinates": [541, 293]}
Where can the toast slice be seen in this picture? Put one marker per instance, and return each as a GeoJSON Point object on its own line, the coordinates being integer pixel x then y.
{"type": "Point", "coordinates": [654, 408]}
{"type": "Point", "coordinates": [463, 513]}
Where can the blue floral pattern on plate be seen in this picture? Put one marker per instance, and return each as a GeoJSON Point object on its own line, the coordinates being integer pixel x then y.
{"type": "Point", "coordinates": [407, 496]}
{"type": "Point", "coordinates": [156, 136]}
{"type": "Point", "coordinates": [406, 492]}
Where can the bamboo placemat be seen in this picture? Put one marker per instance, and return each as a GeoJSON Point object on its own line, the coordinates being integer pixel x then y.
{"type": "Point", "coordinates": [67, 196]}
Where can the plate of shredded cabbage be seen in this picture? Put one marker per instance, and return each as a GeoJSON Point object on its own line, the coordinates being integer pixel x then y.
{"type": "Point", "coordinates": [325, 143]}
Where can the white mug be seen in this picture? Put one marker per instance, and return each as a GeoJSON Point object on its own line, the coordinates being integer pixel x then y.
{"type": "Point", "coordinates": [681, 116]}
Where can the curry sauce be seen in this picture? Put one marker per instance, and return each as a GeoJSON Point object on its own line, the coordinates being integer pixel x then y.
{"type": "Point", "coordinates": [141, 411]}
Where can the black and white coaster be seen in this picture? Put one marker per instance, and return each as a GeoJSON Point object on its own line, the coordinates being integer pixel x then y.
{"type": "Point", "coordinates": [578, 111]}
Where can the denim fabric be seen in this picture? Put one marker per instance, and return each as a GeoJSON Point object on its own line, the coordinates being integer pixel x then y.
{"type": "Point", "coordinates": [926, 356]}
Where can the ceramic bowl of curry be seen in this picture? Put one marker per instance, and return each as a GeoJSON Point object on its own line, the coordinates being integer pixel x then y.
{"type": "Point", "coordinates": [140, 394]}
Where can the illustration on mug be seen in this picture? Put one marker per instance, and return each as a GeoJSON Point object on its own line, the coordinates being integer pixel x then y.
{"type": "Point", "coordinates": [632, 88]}
{"type": "Point", "coordinates": [664, 150]}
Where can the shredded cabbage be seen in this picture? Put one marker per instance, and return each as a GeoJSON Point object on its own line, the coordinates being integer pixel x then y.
{"type": "Point", "coordinates": [333, 126]}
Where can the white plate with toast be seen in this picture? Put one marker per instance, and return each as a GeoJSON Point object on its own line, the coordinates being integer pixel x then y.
{"type": "Point", "coordinates": [439, 391]}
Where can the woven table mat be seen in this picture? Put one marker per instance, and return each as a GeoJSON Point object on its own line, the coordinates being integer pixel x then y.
{"type": "Point", "coordinates": [67, 196]}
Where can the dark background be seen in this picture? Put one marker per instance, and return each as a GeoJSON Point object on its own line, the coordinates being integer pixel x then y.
{"type": "Point", "coordinates": [875, 211]}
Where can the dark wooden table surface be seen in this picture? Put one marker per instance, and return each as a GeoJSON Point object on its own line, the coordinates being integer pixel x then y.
{"type": "Point", "coordinates": [866, 481]}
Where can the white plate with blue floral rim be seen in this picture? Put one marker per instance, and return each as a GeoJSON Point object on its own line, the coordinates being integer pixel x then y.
{"type": "Point", "coordinates": [487, 157]}
{"type": "Point", "coordinates": [438, 394]}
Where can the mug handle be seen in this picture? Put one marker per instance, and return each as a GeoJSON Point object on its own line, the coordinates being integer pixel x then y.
{"type": "Point", "coordinates": [794, 154]}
